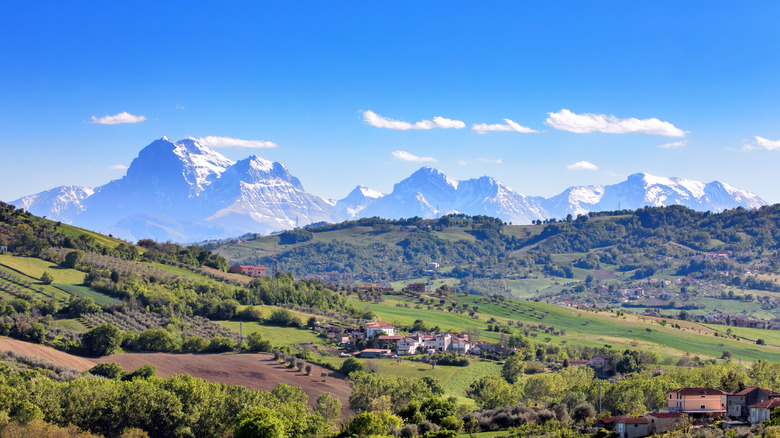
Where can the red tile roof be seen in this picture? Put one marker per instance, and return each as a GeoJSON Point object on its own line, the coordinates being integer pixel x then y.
{"type": "Point", "coordinates": [379, 324]}
{"type": "Point", "coordinates": [698, 391]}
{"type": "Point", "coordinates": [634, 420]}
{"type": "Point", "coordinates": [769, 404]}
{"type": "Point", "coordinates": [665, 414]}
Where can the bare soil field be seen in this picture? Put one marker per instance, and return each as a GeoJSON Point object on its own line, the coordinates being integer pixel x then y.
{"type": "Point", "coordinates": [48, 353]}
{"type": "Point", "coordinates": [256, 371]}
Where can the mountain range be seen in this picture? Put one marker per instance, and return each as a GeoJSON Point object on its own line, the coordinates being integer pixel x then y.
{"type": "Point", "coordinates": [184, 192]}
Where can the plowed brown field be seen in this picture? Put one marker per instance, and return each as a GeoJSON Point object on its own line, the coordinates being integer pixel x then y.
{"type": "Point", "coordinates": [256, 371]}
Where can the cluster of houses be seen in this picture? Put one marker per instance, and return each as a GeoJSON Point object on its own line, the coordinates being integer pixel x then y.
{"type": "Point", "coordinates": [393, 344]}
{"type": "Point", "coordinates": [735, 320]}
{"type": "Point", "coordinates": [748, 406]}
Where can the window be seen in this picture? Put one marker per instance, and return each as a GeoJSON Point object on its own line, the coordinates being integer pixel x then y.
{"type": "Point", "coordinates": [702, 407]}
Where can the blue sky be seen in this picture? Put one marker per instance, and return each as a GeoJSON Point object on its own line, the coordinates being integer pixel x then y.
{"type": "Point", "coordinates": [592, 90]}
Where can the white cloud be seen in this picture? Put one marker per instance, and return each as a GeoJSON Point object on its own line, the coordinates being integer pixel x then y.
{"type": "Point", "coordinates": [462, 162]}
{"type": "Point", "coordinates": [510, 126]}
{"type": "Point", "coordinates": [582, 165]}
{"type": "Point", "coordinates": [378, 121]}
{"type": "Point", "coordinates": [566, 120]}
{"type": "Point", "coordinates": [179, 107]}
{"type": "Point", "coordinates": [674, 145]}
{"type": "Point", "coordinates": [117, 167]}
{"type": "Point", "coordinates": [406, 156]}
{"type": "Point", "coordinates": [228, 142]}
{"type": "Point", "coordinates": [445, 123]}
{"type": "Point", "coordinates": [123, 117]}
{"type": "Point", "coordinates": [769, 145]}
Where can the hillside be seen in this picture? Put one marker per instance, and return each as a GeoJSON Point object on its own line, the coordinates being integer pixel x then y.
{"type": "Point", "coordinates": [669, 259]}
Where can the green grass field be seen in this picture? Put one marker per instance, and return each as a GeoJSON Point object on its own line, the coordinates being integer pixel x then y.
{"type": "Point", "coordinates": [278, 336]}
{"type": "Point", "coordinates": [582, 328]}
{"type": "Point", "coordinates": [455, 380]}
{"type": "Point", "coordinates": [771, 337]}
{"type": "Point", "coordinates": [34, 268]}
{"type": "Point", "coordinates": [72, 324]}
{"type": "Point", "coordinates": [101, 299]}
{"type": "Point", "coordinates": [70, 230]}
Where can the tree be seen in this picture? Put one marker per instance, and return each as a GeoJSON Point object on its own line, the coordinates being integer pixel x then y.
{"type": "Point", "coordinates": [142, 372]}
{"type": "Point", "coordinates": [513, 368]}
{"type": "Point", "coordinates": [371, 423]}
{"type": "Point", "coordinates": [47, 278]}
{"type": "Point", "coordinates": [492, 391]}
{"type": "Point", "coordinates": [80, 305]}
{"type": "Point", "coordinates": [101, 340]}
{"type": "Point", "coordinates": [156, 340]}
{"type": "Point", "coordinates": [351, 365]}
{"type": "Point", "coordinates": [583, 412]}
{"type": "Point", "coordinates": [194, 344]}
{"type": "Point", "coordinates": [109, 370]}
{"type": "Point", "coordinates": [259, 422]}
{"type": "Point", "coordinates": [328, 406]}
{"type": "Point", "coordinates": [256, 342]}
{"type": "Point", "coordinates": [73, 259]}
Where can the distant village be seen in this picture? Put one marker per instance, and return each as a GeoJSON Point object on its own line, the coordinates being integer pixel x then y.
{"type": "Point", "coordinates": [689, 406]}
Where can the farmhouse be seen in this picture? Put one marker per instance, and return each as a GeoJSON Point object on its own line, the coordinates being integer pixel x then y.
{"type": "Point", "coordinates": [664, 421]}
{"type": "Point", "coordinates": [632, 427]}
{"type": "Point", "coordinates": [737, 403]}
{"type": "Point", "coordinates": [373, 328]}
{"type": "Point", "coordinates": [407, 346]}
{"type": "Point", "coordinates": [763, 411]}
{"type": "Point", "coordinates": [697, 401]}
{"type": "Point", "coordinates": [601, 363]}
{"type": "Point", "coordinates": [252, 271]}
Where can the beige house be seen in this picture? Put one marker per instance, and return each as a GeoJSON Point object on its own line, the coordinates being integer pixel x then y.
{"type": "Point", "coordinates": [664, 421]}
{"type": "Point", "coordinates": [705, 401]}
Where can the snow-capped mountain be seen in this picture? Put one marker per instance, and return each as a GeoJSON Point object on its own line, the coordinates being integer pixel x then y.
{"type": "Point", "coordinates": [430, 193]}
{"type": "Point", "coordinates": [165, 179]}
{"type": "Point", "coordinates": [258, 195]}
{"type": "Point", "coordinates": [61, 203]}
{"type": "Point", "coordinates": [357, 200]}
{"type": "Point", "coordinates": [184, 191]}
{"type": "Point", "coordinates": [642, 189]}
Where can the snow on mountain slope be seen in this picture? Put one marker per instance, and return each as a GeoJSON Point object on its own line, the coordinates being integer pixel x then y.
{"type": "Point", "coordinates": [184, 191]}
{"type": "Point", "coordinates": [263, 196]}
{"type": "Point", "coordinates": [642, 189]}
{"type": "Point", "coordinates": [60, 203]}
{"type": "Point", "coordinates": [430, 193]}
{"type": "Point", "coordinates": [357, 200]}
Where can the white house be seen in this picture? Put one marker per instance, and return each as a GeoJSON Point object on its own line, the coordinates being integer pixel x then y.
{"type": "Point", "coordinates": [762, 411]}
{"type": "Point", "coordinates": [460, 344]}
{"type": "Point", "coordinates": [407, 346]}
{"type": "Point", "coordinates": [373, 328]}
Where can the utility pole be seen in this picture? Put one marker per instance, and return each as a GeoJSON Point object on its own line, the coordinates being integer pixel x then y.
{"type": "Point", "coordinates": [600, 382]}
